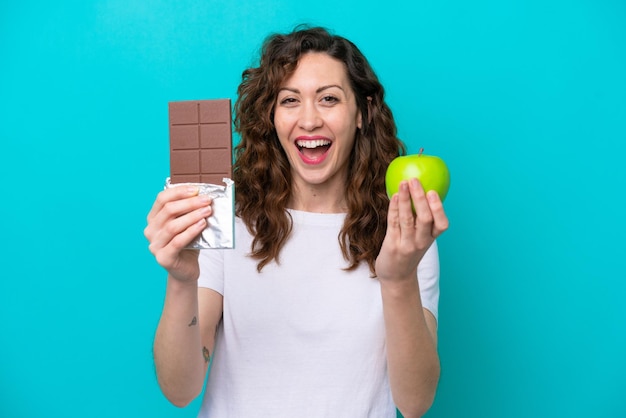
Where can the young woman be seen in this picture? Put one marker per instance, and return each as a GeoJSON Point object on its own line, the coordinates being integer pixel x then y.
{"type": "Point", "coordinates": [327, 306]}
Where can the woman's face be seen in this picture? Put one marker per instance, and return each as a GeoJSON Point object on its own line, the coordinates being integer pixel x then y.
{"type": "Point", "coordinates": [316, 118]}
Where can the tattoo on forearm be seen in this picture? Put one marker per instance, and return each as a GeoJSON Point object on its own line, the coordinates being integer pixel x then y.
{"type": "Point", "coordinates": [193, 322]}
{"type": "Point", "coordinates": [206, 354]}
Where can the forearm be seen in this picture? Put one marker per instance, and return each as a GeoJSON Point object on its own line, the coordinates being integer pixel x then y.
{"type": "Point", "coordinates": [178, 353]}
{"type": "Point", "coordinates": [412, 356]}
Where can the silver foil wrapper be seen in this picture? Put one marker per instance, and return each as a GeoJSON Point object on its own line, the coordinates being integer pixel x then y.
{"type": "Point", "coordinates": [220, 230]}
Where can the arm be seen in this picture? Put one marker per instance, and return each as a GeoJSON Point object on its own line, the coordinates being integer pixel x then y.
{"type": "Point", "coordinates": [186, 331]}
{"type": "Point", "coordinates": [185, 339]}
{"type": "Point", "coordinates": [411, 349]}
{"type": "Point", "coordinates": [411, 330]}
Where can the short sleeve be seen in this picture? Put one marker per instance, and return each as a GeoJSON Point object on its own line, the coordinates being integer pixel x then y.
{"type": "Point", "coordinates": [212, 270]}
{"type": "Point", "coordinates": [428, 277]}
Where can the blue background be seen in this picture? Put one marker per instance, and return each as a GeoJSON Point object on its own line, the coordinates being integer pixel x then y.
{"type": "Point", "coordinates": [525, 100]}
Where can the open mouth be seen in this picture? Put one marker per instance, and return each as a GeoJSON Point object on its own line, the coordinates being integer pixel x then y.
{"type": "Point", "coordinates": [313, 149]}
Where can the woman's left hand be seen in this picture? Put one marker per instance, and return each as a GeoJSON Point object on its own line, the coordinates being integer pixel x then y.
{"type": "Point", "coordinates": [409, 234]}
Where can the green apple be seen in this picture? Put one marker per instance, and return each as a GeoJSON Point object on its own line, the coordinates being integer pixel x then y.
{"type": "Point", "coordinates": [430, 170]}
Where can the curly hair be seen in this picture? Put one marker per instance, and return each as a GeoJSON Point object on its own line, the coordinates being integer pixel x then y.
{"type": "Point", "coordinates": [261, 171]}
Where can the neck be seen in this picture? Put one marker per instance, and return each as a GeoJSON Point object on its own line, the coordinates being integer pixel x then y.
{"type": "Point", "coordinates": [319, 199]}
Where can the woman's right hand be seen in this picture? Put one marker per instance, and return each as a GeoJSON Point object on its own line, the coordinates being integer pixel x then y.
{"type": "Point", "coordinates": [176, 218]}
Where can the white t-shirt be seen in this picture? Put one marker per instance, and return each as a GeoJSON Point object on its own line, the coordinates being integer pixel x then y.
{"type": "Point", "coordinates": [303, 338]}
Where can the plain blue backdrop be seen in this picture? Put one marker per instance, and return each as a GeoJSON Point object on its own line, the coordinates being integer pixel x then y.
{"type": "Point", "coordinates": [525, 100]}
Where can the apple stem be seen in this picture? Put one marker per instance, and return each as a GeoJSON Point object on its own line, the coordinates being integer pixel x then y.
{"type": "Point", "coordinates": [421, 151]}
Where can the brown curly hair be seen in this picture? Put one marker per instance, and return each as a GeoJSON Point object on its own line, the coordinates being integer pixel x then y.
{"type": "Point", "coordinates": [262, 172]}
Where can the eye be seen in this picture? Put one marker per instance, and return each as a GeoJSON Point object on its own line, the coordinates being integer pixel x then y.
{"type": "Point", "coordinates": [287, 101]}
{"type": "Point", "coordinates": [330, 99]}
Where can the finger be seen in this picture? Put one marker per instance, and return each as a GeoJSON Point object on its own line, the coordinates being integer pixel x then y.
{"type": "Point", "coordinates": [423, 215]}
{"type": "Point", "coordinates": [168, 255]}
{"type": "Point", "coordinates": [170, 204]}
{"type": "Point", "coordinates": [177, 208]}
{"type": "Point", "coordinates": [173, 226]}
{"type": "Point", "coordinates": [440, 220]}
{"type": "Point", "coordinates": [169, 195]}
{"type": "Point", "coordinates": [420, 203]}
{"type": "Point", "coordinates": [405, 211]}
{"type": "Point", "coordinates": [393, 219]}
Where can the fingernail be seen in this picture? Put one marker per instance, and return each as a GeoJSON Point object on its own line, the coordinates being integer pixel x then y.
{"type": "Point", "coordinates": [192, 191]}
{"type": "Point", "coordinates": [432, 196]}
{"type": "Point", "coordinates": [205, 198]}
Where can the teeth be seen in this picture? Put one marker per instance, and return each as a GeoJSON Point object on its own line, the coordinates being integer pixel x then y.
{"type": "Point", "coordinates": [312, 144]}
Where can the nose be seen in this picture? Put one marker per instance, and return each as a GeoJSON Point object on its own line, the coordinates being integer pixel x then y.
{"type": "Point", "coordinates": [310, 118]}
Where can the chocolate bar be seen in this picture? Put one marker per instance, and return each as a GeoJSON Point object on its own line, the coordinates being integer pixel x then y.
{"type": "Point", "coordinates": [200, 141]}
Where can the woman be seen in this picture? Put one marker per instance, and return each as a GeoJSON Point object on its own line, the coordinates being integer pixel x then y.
{"type": "Point", "coordinates": [327, 306]}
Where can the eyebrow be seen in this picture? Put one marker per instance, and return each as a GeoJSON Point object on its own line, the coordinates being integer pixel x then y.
{"type": "Point", "coordinates": [319, 89]}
